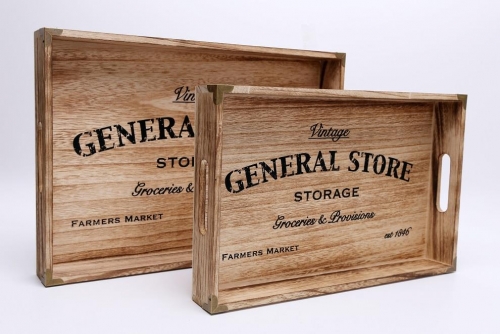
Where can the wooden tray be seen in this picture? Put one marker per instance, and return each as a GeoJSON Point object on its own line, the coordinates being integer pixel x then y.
{"type": "Point", "coordinates": [112, 113]}
{"type": "Point", "coordinates": [300, 192]}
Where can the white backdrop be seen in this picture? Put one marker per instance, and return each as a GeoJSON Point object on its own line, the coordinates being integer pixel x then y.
{"type": "Point", "coordinates": [422, 46]}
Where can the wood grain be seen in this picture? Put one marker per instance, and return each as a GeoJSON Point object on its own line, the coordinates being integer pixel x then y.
{"type": "Point", "coordinates": [43, 125]}
{"type": "Point", "coordinates": [96, 89]}
{"type": "Point", "coordinates": [249, 126]}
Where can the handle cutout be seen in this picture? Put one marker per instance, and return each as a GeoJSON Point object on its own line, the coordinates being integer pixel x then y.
{"type": "Point", "coordinates": [203, 221]}
{"type": "Point", "coordinates": [443, 183]}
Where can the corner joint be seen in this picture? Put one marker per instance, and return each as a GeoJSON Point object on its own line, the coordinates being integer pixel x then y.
{"type": "Point", "coordinates": [51, 281]}
{"type": "Point", "coordinates": [342, 57]}
{"type": "Point", "coordinates": [463, 98]}
{"type": "Point", "coordinates": [453, 267]}
{"type": "Point", "coordinates": [218, 92]}
{"type": "Point", "coordinates": [213, 306]}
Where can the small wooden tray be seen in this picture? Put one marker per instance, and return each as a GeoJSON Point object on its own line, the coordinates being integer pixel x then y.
{"type": "Point", "coordinates": [115, 143]}
{"type": "Point", "coordinates": [301, 192]}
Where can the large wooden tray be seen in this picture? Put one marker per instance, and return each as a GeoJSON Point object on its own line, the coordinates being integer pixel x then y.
{"type": "Point", "coordinates": [114, 122]}
{"type": "Point", "coordinates": [300, 192]}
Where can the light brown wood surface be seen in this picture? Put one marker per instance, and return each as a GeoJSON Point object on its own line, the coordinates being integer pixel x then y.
{"type": "Point", "coordinates": [245, 126]}
{"type": "Point", "coordinates": [91, 81]}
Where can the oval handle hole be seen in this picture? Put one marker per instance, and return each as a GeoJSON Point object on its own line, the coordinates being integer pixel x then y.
{"type": "Point", "coordinates": [203, 222]}
{"type": "Point", "coordinates": [443, 183]}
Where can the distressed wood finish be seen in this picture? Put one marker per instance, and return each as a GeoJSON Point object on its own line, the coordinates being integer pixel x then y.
{"type": "Point", "coordinates": [104, 92]}
{"type": "Point", "coordinates": [258, 153]}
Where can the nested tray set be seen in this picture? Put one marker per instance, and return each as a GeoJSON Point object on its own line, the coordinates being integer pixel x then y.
{"type": "Point", "coordinates": [251, 164]}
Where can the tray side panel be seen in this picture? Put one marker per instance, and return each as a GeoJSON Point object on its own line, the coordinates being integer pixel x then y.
{"type": "Point", "coordinates": [207, 180]}
{"type": "Point", "coordinates": [43, 128]}
{"type": "Point", "coordinates": [449, 119]}
{"type": "Point", "coordinates": [333, 74]}
{"type": "Point", "coordinates": [203, 47]}
{"type": "Point", "coordinates": [299, 288]}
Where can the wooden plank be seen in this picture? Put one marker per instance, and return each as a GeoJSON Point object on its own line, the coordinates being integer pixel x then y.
{"type": "Point", "coordinates": [125, 265]}
{"type": "Point", "coordinates": [43, 121]}
{"type": "Point", "coordinates": [178, 44]}
{"type": "Point", "coordinates": [332, 283]}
